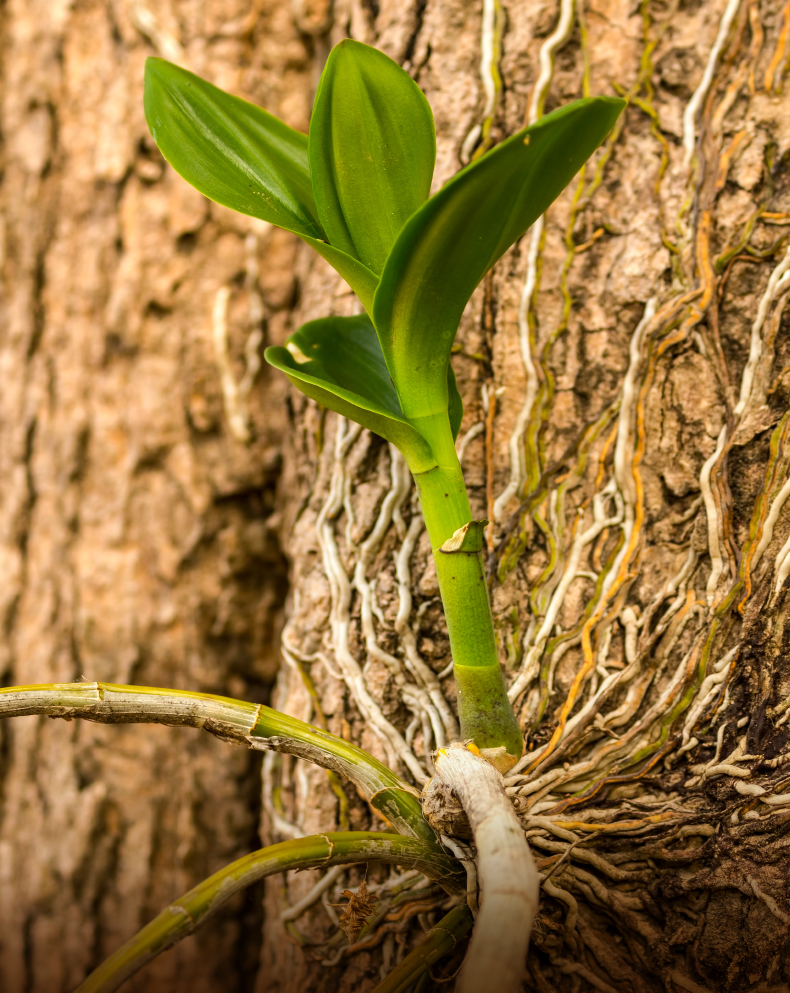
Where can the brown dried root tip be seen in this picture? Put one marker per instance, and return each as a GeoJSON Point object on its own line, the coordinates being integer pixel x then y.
{"type": "Point", "coordinates": [468, 538]}
{"type": "Point", "coordinates": [356, 912]}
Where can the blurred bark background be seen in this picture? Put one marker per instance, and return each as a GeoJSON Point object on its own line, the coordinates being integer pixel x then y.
{"type": "Point", "coordinates": [624, 372]}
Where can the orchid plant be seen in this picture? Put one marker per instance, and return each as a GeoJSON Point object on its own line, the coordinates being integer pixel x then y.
{"type": "Point", "coordinates": [357, 189]}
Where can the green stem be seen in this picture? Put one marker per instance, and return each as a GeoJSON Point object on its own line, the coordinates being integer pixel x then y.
{"type": "Point", "coordinates": [440, 941]}
{"type": "Point", "coordinates": [484, 710]}
{"type": "Point", "coordinates": [190, 911]}
{"type": "Point", "coordinates": [236, 721]}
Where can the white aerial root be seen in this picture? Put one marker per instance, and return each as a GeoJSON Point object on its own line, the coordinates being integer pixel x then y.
{"type": "Point", "coordinates": [463, 443]}
{"type": "Point", "coordinates": [768, 900]}
{"type": "Point", "coordinates": [770, 523]}
{"type": "Point", "coordinates": [431, 711]}
{"type": "Point", "coordinates": [777, 283]}
{"type": "Point", "coordinates": [621, 489]}
{"type": "Point", "coordinates": [724, 767]}
{"type": "Point", "coordinates": [535, 110]}
{"type": "Point", "coordinates": [533, 785]}
{"type": "Point", "coordinates": [635, 738]}
{"type": "Point", "coordinates": [413, 696]}
{"type": "Point", "coordinates": [558, 893]}
{"type": "Point", "coordinates": [752, 395]}
{"type": "Point", "coordinates": [546, 60]}
{"type": "Point", "coordinates": [518, 471]}
{"type": "Point", "coordinates": [677, 585]}
{"type": "Point", "coordinates": [698, 97]}
{"type": "Point", "coordinates": [235, 395]}
{"type": "Point", "coordinates": [531, 662]}
{"type": "Point", "coordinates": [421, 671]}
{"type": "Point", "coordinates": [714, 545]}
{"type": "Point", "coordinates": [315, 894]}
{"type": "Point", "coordinates": [782, 566]}
{"type": "Point", "coordinates": [605, 867]}
{"type": "Point", "coordinates": [340, 617]}
{"type": "Point", "coordinates": [707, 692]}
{"type": "Point", "coordinates": [465, 855]}
{"type": "Point", "coordinates": [776, 799]}
{"type": "Point", "coordinates": [509, 885]}
{"type": "Point", "coordinates": [624, 446]}
{"type": "Point", "coordinates": [645, 692]}
{"type": "Point", "coordinates": [623, 476]}
{"type": "Point", "coordinates": [280, 824]}
{"type": "Point", "coordinates": [568, 968]}
{"type": "Point", "coordinates": [490, 52]}
{"type": "Point", "coordinates": [424, 697]}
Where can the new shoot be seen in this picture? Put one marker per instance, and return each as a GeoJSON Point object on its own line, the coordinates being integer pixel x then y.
{"type": "Point", "coordinates": [357, 189]}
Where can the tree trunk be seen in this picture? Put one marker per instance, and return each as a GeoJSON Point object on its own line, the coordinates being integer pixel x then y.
{"type": "Point", "coordinates": [624, 377]}
{"type": "Point", "coordinates": [137, 539]}
{"type": "Point", "coordinates": [624, 374]}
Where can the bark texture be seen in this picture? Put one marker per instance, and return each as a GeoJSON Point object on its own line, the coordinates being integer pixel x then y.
{"type": "Point", "coordinates": [624, 376]}
{"type": "Point", "coordinates": [136, 538]}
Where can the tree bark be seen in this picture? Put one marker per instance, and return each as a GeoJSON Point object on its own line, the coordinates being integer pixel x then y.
{"type": "Point", "coordinates": [137, 533]}
{"type": "Point", "coordinates": [623, 371]}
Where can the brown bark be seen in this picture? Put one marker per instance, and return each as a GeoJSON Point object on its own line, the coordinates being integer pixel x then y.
{"type": "Point", "coordinates": [691, 895]}
{"type": "Point", "coordinates": [137, 540]}
{"type": "Point", "coordinates": [138, 535]}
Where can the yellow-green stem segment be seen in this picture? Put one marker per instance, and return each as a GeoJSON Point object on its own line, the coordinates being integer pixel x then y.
{"type": "Point", "coordinates": [320, 851]}
{"type": "Point", "coordinates": [238, 721]}
{"type": "Point", "coordinates": [440, 941]}
{"type": "Point", "coordinates": [484, 711]}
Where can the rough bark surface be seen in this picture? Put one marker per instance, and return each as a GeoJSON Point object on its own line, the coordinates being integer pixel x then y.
{"type": "Point", "coordinates": [624, 376]}
{"type": "Point", "coordinates": [136, 538]}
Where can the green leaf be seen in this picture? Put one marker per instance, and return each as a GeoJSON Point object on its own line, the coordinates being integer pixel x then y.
{"type": "Point", "coordinates": [372, 150]}
{"type": "Point", "coordinates": [239, 155]}
{"type": "Point", "coordinates": [450, 243]}
{"type": "Point", "coordinates": [232, 720]}
{"type": "Point", "coordinates": [455, 403]}
{"type": "Point", "coordinates": [439, 942]}
{"type": "Point", "coordinates": [338, 362]}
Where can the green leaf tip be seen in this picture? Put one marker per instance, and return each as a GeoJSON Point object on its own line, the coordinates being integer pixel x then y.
{"type": "Point", "coordinates": [242, 157]}
{"type": "Point", "coordinates": [448, 245]}
{"type": "Point", "coordinates": [230, 150]}
{"type": "Point", "coordinates": [372, 149]}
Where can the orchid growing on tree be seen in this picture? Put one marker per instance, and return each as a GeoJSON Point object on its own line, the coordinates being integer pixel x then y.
{"type": "Point", "coordinates": [357, 190]}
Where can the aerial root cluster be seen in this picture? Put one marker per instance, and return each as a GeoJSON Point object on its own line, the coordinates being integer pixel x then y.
{"type": "Point", "coordinates": [632, 745]}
